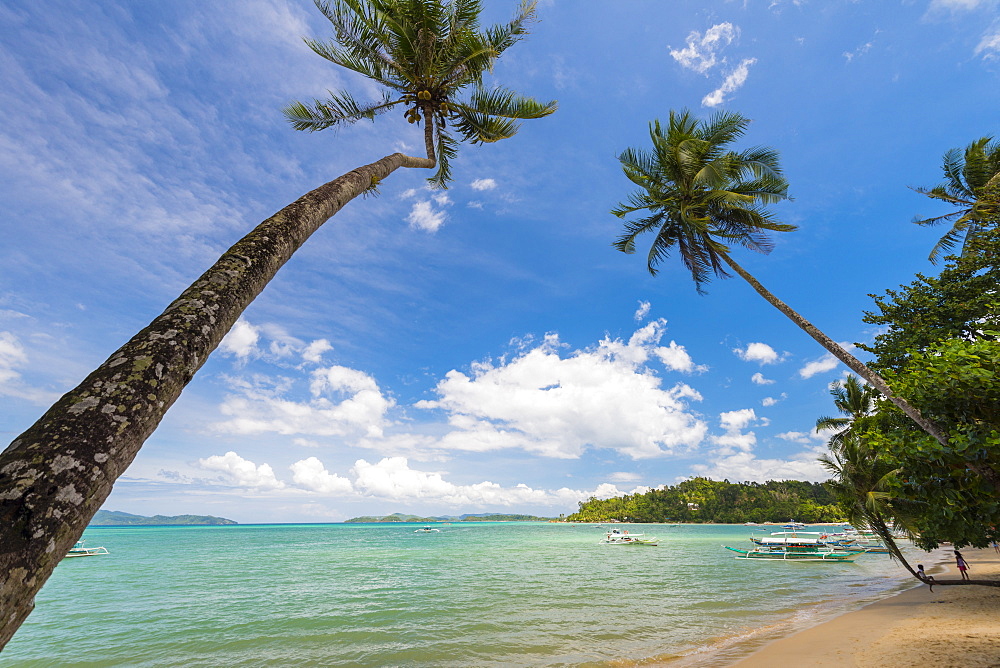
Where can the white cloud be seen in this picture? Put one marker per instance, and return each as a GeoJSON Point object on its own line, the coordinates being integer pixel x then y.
{"type": "Point", "coordinates": [675, 357]}
{"type": "Point", "coordinates": [423, 216]}
{"type": "Point", "coordinates": [860, 51]}
{"type": "Point", "coordinates": [483, 184]}
{"type": "Point", "coordinates": [242, 472]}
{"type": "Point", "coordinates": [241, 340]}
{"type": "Point", "coordinates": [701, 53]}
{"type": "Point", "coordinates": [393, 479]}
{"type": "Point", "coordinates": [11, 355]}
{"type": "Point", "coordinates": [758, 379]}
{"type": "Point", "coordinates": [825, 363]}
{"type": "Point", "coordinates": [343, 402]}
{"type": "Point", "coordinates": [989, 45]}
{"type": "Point", "coordinates": [740, 466]}
{"type": "Point", "coordinates": [311, 474]}
{"type": "Point", "coordinates": [603, 397]}
{"type": "Point", "coordinates": [758, 352]}
{"type": "Point", "coordinates": [642, 311]}
{"type": "Point", "coordinates": [770, 401]}
{"type": "Point", "coordinates": [734, 81]}
{"type": "Point", "coordinates": [314, 351]}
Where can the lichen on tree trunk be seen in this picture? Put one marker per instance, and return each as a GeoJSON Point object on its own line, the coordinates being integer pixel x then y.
{"type": "Point", "coordinates": [56, 475]}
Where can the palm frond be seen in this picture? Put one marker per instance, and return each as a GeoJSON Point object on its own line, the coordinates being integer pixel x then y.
{"type": "Point", "coordinates": [338, 109]}
{"type": "Point", "coordinates": [508, 104]}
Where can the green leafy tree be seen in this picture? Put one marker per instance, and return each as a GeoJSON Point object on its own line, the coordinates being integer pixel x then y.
{"type": "Point", "coordinates": [972, 183]}
{"type": "Point", "coordinates": [56, 475]}
{"type": "Point", "coordinates": [700, 198]}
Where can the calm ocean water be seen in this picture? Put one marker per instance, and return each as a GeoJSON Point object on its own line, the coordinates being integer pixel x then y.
{"type": "Point", "coordinates": [473, 594]}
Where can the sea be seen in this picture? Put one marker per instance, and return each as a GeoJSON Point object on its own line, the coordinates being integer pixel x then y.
{"type": "Point", "coordinates": [469, 594]}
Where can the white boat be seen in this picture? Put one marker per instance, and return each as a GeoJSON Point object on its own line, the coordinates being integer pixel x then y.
{"type": "Point", "coordinates": [427, 530]}
{"type": "Point", "coordinates": [795, 553]}
{"type": "Point", "coordinates": [616, 537]}
{"type": "Point", "coordinates": [79, 550]}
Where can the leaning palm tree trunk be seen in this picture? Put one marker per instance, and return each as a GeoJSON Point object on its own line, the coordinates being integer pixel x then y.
{"type": "Point", "coordinates": [858, 367]}
{"type": "Point", "coordinates": [877, 524]}
{"type": "Point", "coordinates": [56, 475]}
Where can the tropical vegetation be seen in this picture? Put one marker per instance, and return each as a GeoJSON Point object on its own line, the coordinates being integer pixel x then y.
{"type": "Point", "coordinates": [703, 500]}
{"type": "Point", "coordinates": [57, 474]}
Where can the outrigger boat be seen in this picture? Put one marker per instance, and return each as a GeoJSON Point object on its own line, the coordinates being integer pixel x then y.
{"type": "Point", "coordinates": [615, 537]}
{"type": "Point", "coordinates": [795, 553]}
{"type": "Point", "coordinates": [427, 530]}
{"type": "Point", "coordinates": [79, 550]}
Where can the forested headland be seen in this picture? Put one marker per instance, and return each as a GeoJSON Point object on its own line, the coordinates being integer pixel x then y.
{"type": "Point", "coordinates": [722, 502]}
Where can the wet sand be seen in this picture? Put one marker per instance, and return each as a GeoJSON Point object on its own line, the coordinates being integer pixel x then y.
{"type": "Point", "coordinates": [953, 626]}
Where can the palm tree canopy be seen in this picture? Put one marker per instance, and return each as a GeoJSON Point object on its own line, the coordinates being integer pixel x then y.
{"type": "Point", "coordinates": [430, 57]}
{"type": "Point", "coordinates": [699, 196]}
{"type": "Point", "coordinates": [854, 400]}
{"type": "Point", "coordinates": [966, 176]}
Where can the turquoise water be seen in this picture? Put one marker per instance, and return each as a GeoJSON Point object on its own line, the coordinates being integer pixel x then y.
{"type": "Point", "coordinates": [473, 594]}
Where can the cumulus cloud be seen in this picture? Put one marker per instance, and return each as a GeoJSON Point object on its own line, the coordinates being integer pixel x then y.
{"type": "Point", "coordinates": [241, 340]}
{"type": "Point", "coordinates": [603, 397]}
{"type": "Point", "coordinates": [483, 184]}
{"type": "Point", "coordinates": [758, 379]}
{"type": "Point", "coordinates": [701, 53]}
{"type": "Point", "coordinates": [342, 402]}
{"type": "Point", "coordinates": [825, 363]}
{"type": "Point", "coordinates": [242, 472]}
{"type": "Point", "coordinates": [423, 216]}
{"type": "Point", "coordinates": [312, 475]}
{"type": "Point", "coordinates": [770, 401]}
{"type": "Point", "coordinates": [746, 466]}
{"type": "Point", "coordinates": [314, 351]}
{"type": "Point", "coordinates": [733, 82]}
{"type": "Point", "coordinates": [393, 479]}
{"type": "Point", "coordinates": [758, 352]}
{"type": "Point", "coordinates": [642, 311]}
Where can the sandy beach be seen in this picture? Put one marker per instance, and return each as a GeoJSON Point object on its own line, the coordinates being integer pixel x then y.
{"type": "Point", "coordinates": [950, 627]}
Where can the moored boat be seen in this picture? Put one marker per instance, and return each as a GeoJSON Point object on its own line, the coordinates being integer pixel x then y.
{"type": "Point", "coordinates": [79, 550]}
{"type": "Point", "coordinates": [616, 537]}
{"type": "Point", "coordinates": [794, 553]}
{"type": "Point", "coordinates": [427, 530]}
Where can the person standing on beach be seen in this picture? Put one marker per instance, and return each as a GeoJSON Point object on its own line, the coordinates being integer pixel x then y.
{"type": "Point", "coordinates": [962, 565]}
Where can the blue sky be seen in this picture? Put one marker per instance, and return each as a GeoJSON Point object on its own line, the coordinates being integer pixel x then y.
{"type": "Point", "coordinates": [480, 349]}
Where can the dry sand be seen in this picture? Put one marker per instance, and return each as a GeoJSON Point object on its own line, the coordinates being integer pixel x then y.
{"type": "Point", "coordinates": [951, 627]}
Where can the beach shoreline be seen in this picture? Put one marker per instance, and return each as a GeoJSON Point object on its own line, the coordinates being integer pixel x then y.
{"type": "Point", "coordinates": [951, 626]}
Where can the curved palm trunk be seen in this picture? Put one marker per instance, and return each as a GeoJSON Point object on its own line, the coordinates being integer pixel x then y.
{"type": "Point", "coordinates": [858, 367]}
{"type": "Point", "coordinates": [878, 525]}
{"type": "Point", "coordinates": [56, 475]}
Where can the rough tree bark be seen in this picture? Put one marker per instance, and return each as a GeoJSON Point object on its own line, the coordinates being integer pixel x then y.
{"type": "Point", "coordinates": [858, 367]}
{"type": "Point", "coordinates": [56, 475]}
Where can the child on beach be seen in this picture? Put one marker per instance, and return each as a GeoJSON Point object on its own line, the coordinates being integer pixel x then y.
{"type": "Point", "coordinates": [929, 579]}
{"type": "Point", "coordinates": [962, 565]}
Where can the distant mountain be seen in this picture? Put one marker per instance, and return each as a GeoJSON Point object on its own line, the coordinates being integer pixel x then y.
{"type": "Point", "coordinates": [480, 517]}
{"type": "Point", "coordinates": [117, 518]}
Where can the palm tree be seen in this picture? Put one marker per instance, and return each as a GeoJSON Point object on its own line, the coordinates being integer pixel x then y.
{"type": "Point", "coordinates": [853, 399]}
{"type": "Point", "coordinates": [425, 53]}
{"type": "Point", "coordinates": [972, 183]}
{"type": "Point", "coordinates": [702, 197]}
{"type": "Point", "coordinates": [56, 475]}
{"type": "Point", "coordinates": [860, 481]}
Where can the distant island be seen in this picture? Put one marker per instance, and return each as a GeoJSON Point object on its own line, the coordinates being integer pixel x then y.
{"type": "Point", "coordinates": [117, 518]}
{"type": "Point", "coordinates": [482, 517]}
